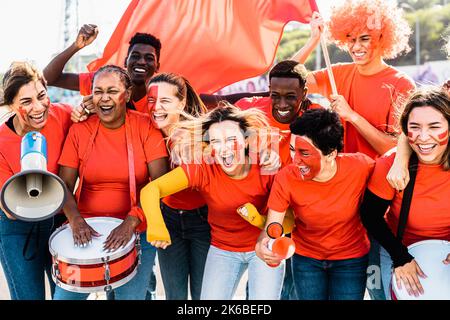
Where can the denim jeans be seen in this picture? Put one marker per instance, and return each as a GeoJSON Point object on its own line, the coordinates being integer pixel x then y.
{"type": "Point", "coordinates": [288, 292]}
{"type": "Point", "coordinates": [184, 260]}
{"type": "Point", "coordinates": [25, 276]}
{"type": "Point", "coordinates": [135, 289]}
{"type": "Point", "coordinates": [375, 282]}
{"type": "Point", "coordinates": [386, 266]}
{"type": "Point", "coordinates": [329, 279]}
{"type": "Point", "coordinates": [224, 269]}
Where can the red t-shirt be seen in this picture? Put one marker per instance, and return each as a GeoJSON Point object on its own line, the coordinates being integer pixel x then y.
{"type": "Point", "coordinates": [85, 84]}
{"type": "Point", "coordinates": [55, 131]}
{"type": "Point", "coordinates": [265, 104]}
{"type": "Point", "coordinates": [224, 195]}
{"type": "Point", "coordinates": [106, 189]}
{"type": "Point", "coordinates": [375, 98]}
{"type": "Point", "coordinates": [429, 214]}
{"type": "Point", "coordinates": [328, 225]}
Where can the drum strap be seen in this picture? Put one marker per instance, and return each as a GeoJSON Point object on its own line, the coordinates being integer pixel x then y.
{"type": "Point", "coordinates": [131, 169]}
{"type": "Point", "coordinates": [407, 196]}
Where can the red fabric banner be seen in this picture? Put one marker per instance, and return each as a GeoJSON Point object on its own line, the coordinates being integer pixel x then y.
{"type": "Point", "coordinates": [211, 43]}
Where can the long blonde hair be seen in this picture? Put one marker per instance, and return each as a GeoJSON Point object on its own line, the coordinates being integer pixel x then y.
{"type": "Point", "coordinates": [190, 139]}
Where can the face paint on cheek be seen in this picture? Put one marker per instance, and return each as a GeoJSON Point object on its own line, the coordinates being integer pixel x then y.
{"type": "Point", "coordinates": [443, 138]}
{"type": "Point", "coordinates": [237, 147]}
{"type": "Point", "coordinates": [411, 137]}
{"type": "Point", "coordinates": [307, 158]}
{"type": "Point", "coordinates": [153, 95]}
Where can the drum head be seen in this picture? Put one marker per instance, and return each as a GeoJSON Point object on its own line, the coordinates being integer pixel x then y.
{"type": "Point", "coordinates": [61, 243]}
{"type": "Point", "coordinates": [429, 254]}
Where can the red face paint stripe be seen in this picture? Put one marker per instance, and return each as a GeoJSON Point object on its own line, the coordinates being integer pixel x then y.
{"type": "Point", "coordinates": [444, 136]}
{"type": "Point", "coordinates": [152, 93]}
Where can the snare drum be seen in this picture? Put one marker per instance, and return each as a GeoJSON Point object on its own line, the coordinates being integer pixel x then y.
{"type": "Point", "coordinates": [429, 254]}
{"type": "Point", "coordinates": [90, 269]}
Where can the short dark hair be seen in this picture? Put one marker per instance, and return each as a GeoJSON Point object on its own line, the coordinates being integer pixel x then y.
{"type": "Point", "coordinates": [146, 38]}
{"type": "Point", "coordinates": [289, 69]}
{"type": "Point", "coordinates": [323, 127]}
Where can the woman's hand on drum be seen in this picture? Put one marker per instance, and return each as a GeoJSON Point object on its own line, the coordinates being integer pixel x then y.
{"type": "Point", "coordinates": [408, 274]}
{"type": "Point", "coordinates": [160, 244]}
{"type": "Point", "coordinates": [82, 232]}
{"type": "Point", "coordinates": [121, 235]}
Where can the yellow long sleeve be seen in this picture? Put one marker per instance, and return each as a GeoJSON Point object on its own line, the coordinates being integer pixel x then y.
{"type": "Point", "coordinates": [252, 216]}
{"type": "Point", "coordinates": [170, 183]}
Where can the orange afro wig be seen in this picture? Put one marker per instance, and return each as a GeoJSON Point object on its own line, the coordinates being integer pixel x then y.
{"type": "Point", "coordinates": [382, 19]}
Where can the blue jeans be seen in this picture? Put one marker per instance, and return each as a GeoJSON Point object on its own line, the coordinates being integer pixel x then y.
{"type": "Point", "coordinates": [375, 283]}
{"type": "Point", "coordinates": [224, 269]}
{"type": "Point", "coordinates": [288, 292]}
{"type": "Point", "coordinates": [329, 279]}
{"type": "Point", "coordinates": [386, 266]}
{"type": "Point", "coordinates": [135, 289]}
{"type": "Point", "coordinates": [184, 260]}
{"type": "Point", "coordinates": [25, 276]}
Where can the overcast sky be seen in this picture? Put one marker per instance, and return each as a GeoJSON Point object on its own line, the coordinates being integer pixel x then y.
{"type": "Point", "coordinates": [33, 30]}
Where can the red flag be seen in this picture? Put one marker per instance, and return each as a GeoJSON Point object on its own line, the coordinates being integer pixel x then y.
{"type": "Point", "coordinates": [211, 43]}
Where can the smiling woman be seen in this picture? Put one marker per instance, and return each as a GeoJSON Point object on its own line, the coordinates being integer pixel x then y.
{"type": "Point", "coordinates": [425, 120]}
{"type": "Point", "coordinates": [95, 151]}
{"type": "Point", "coordinates": [25, 92]}
{"type": "Point", "coordinates": [225, 168]}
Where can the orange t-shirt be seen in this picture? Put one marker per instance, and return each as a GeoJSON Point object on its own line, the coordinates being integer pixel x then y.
{"type": "Point", "coordinates": [224, 195]}
{"type": "Point", "coordinates": [374, 97]}
{"type": "Point", "coordinates": [106, 189]}
{"type": "Point", "coordinates": [429, 214]}
{"type": "Point", "coordinates": [55, 131]}
{"type": "Point", "coordinates": [265, 104]}
{"type": "Point", "coordinates": [328, 226]}
{"type": "Point", "coordinates": [85, 84]}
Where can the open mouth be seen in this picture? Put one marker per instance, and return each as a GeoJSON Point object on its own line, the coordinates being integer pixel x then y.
{"type": "Point", "coordinates": [106, 109]}
{"type": "Point", "coordinates": [159, 116]}
{"type": "Point", "coordinates": [283, 113]}
{"type": "Point", "coordinates": [139, 70]}
{"type": "Point", "coordinates": [37, 118]}
{"type": "Point", "coordinates": [304, 170]}
{"type": "Point", "coordinates": [426, 148]}
{"type": "Point", "coordinates": [227, 161]}
{"type": "Point", "coordinates": [359, 54]}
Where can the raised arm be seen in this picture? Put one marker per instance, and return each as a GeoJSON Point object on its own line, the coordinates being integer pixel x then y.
{"type": "Point", "coordinates": [53, 72]}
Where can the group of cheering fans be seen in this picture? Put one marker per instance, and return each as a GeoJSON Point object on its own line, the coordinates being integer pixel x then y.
{"type": "Point", "coordinates": [329, 175]}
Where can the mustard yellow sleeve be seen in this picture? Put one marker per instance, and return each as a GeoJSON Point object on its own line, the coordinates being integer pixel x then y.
{"type": "Point", "coordinates": [249, 212]}
{"type": "Point", "coordinates": [170, 183]}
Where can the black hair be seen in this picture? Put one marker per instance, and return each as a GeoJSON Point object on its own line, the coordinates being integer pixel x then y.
{"type": "Point", "coordinates": [146, 38]}
{"type": "Point", "coordinates": [289, 69]}
{"type": "Point", "coordinates": [123, 74]}
{"type": "Point", "coordinates": [323, 127]}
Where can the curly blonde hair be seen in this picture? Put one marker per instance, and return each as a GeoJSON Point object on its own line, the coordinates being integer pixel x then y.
{"type": "Point", "coordinates": [382, 19]}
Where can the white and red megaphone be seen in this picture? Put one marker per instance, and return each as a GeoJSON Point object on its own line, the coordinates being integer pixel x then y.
{"type": "Point", "coordinates": [34, 194]}
{"type": "Point", "coordinates": [278, 243]}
